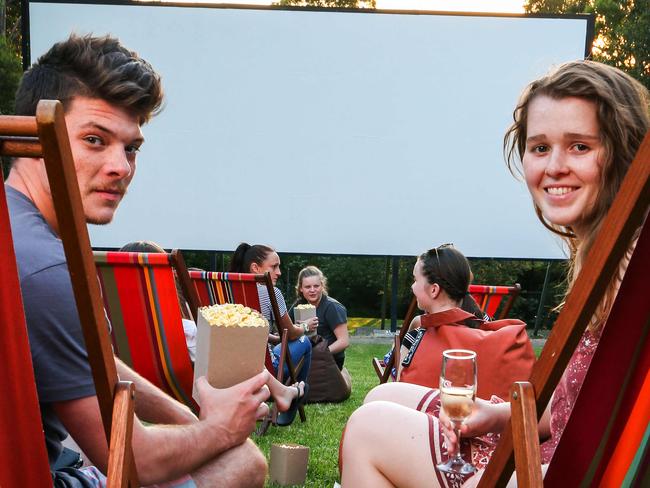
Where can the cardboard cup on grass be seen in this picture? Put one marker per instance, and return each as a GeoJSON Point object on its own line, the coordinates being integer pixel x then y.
{"type": "Point", "coordinates": [288, 464]}
{"type": "Point", "coordinates": [305, 312]}
{"type": "Point", "coordinates": [232, 349]}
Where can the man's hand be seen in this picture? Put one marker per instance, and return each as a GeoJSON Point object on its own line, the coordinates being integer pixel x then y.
{"type": "Point", "coordinates": [233, 411]}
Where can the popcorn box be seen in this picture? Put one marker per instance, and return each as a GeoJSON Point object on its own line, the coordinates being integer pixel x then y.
{"type": "Point", "coordinates": [288, 464]}
{"type": "Point", "coordinates": [230, 345]}
{"type": "Point", "coordinates": [304, 312]}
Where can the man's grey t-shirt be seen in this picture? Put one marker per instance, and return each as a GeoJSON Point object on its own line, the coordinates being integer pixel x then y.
{"type": "Point", "coordinates": [55, 337]}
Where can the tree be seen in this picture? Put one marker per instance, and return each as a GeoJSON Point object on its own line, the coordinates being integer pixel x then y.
{"type": "Point", "coordinates": [10, 24]}
{"type": "Point", "coordinates": [622, 30]}
{"type": "Point", "coordinates": [9, 77]}
{"type": "Point", "coordinates": [329, 3]}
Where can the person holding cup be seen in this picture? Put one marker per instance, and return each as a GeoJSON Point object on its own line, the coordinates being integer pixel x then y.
{"type": "Point", "coordinates": [260, 259]}
{"type": "Point", "coordinates": [331, 317]}
{"type": "Point", "coordinates": [575, 133]}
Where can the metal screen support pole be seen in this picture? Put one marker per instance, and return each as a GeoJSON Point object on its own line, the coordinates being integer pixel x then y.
{"type": "Point", "coordinates": [542, 301]}
{"type": "Point", "coordinates": [393, 292]}
{"type": "Point", "coordinates": [384, 297]}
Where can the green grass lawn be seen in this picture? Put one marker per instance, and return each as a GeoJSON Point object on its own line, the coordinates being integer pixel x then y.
{"type": "Point", "coordinates": [325, 422]}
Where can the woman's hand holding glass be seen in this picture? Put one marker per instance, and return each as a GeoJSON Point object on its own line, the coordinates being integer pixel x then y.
{"type": "Point", "coordinates": [486, 417]}
{"type": "Point", "coordinates": [457, 392]}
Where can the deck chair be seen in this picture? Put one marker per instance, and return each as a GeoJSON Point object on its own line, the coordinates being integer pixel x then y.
{"type": "Point", "coordinates": [140, 298]}
{"type": "Point", "coordinates": [605, 442]}
{"type": "Point", "coordinates": [491, 299]}
{"type": "Point", "coordinates": [23, 459]}
{"type": "Point", "coordinates": [218, 288]}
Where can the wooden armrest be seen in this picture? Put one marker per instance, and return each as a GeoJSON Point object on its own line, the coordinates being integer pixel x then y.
{"type": "Point", "coordinates": [120, 455]}
{"type": "Point", "coordinates": [525, 436]}
{"type": "Point", "coordinates": [379, 369]}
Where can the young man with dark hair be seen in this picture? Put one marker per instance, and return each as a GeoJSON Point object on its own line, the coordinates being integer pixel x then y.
{"type": "Point", "coordinates": [108, 92]}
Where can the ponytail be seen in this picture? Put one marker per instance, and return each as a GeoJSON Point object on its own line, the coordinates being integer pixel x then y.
{"type": "Point", "coordinates": [245, 255]}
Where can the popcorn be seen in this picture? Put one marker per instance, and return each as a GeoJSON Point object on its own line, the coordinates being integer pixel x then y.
{"type": "Point", "coordinates": [231, 345]}
{"type": "Point", "coordinates": [233, 315]}
{"type": "Point", "coordinates": [305, 306]}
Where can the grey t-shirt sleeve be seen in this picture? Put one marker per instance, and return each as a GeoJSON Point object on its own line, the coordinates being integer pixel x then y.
{"type": "Point", "coordinates": [56, 340]}
{"type": "Point", "coordinates": [335, 315]}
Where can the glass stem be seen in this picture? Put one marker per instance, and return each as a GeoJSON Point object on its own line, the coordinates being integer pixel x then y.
{"type": "Point", "coordinates": [458, 458]}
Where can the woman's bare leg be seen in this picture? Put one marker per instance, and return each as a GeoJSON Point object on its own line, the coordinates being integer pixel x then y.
{"type": "Point", "coordinates": [405, 394]}
{"type": "Point", "coordinates": [385, 445]}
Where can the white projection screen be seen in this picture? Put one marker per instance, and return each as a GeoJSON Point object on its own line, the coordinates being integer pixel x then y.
{"type": "Point", "coordinates": [316, 131]}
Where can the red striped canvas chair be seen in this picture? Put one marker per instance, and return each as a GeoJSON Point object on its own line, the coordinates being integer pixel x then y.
{"type": "Point", "coordinates": [140, 298]}
{"type": "Point", "coordinates": [491, 299]}
{"type": "Point", "coordinates": [219, 287]}
{"type": "Point", "coordinates": [606, 440]}
{"type": "Point", "coordinates": [23, 457]}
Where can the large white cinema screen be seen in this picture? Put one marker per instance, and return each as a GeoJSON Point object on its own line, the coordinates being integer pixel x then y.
{"type": "Point", "coordinates": [325, 131]}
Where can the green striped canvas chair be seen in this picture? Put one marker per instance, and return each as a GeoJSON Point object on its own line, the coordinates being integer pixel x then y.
{"type": "Point", "coordinates": [140, 297]}
{"type": "Point", "coordinates": [606, 441]}
{"type": "Point", "coordinates": [220, 287]}
{"type": "Point", "coordinates": [23, 456]}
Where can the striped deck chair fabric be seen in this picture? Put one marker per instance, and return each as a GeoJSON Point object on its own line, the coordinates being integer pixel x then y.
{"type": "Point", "coordinates": [489, 298]}
{"type": "Point", "coordinates": [141, 301]}
{"type": "Point", "coordinates": [607, 438]}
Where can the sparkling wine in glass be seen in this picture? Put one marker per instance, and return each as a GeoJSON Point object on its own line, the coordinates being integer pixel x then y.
{"type": "Point", "coordinates": [457, 392]}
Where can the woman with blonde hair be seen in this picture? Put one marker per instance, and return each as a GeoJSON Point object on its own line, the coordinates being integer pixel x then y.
{"type": "Point", "coordinates": [575, 132]}
{"type": "Point", "coordinates": [332, 317]}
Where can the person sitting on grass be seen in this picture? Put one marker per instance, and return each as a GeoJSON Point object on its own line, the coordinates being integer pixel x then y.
{"type": "Point", "coordinates": [260, 259]}
{"type": "Point", "coordinates": [332, 317]}
{"type": "Point", "coordinates": [576, 131]}
{"type": "Point", "coordinates": [441, 277]}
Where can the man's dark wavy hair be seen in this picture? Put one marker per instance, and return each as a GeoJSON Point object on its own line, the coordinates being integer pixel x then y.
{"type": "Point", "coordinates": [94, 67]}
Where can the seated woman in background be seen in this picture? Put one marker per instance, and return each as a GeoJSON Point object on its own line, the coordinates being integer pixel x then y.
{"type": "Point", "coordinates": [332, 316]}
{"type": "Point", "coordinates": [441, 277]}
{"type": "Point", "coordinates": [576, 131]}
{"type": "Point", "coordinates": [260, 259]}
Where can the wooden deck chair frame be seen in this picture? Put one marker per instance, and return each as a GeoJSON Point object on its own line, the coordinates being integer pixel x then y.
{"type": "Point", "coordinates": [45, 136]}
{"type": "Point", "coordinates": [483, 294]}
{"type": "Point", "coordinates": [625, 216]}
{"type": "Point", "coordinates": [202, 278]}
{"type": "Point", "coordinates": [142, 284]}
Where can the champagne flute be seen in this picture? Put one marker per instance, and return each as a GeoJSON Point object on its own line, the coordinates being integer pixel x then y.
{"type": "Point", "coordinates": [457, 392]}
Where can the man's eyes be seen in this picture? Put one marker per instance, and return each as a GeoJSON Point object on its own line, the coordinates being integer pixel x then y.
{"type": "Point", "coordinates": [133, 149]}
{"type": "Point", "coordinates": [94, 140]}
